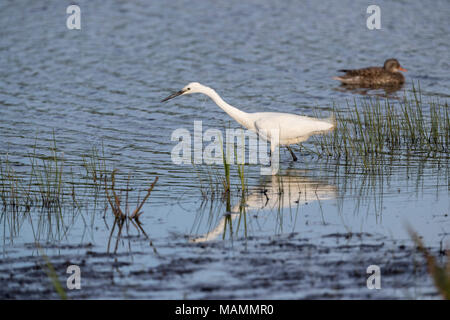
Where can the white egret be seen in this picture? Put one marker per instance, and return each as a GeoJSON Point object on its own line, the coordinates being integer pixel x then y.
{"type": "Point", "coordinates": [290, 128]}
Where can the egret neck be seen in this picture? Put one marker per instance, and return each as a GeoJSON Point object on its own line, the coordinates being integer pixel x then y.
{"type": "Point", "coordinates": [243, 118]}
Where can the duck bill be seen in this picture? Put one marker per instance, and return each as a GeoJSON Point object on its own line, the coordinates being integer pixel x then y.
{"type": "Point", "coordinates": [176, 94]}
{"type": "Point", "coordinates": [402, 69]}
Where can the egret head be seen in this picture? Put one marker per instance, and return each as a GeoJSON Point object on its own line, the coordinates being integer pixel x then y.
{"type": "Point", "coordinates": [393, 65]}
{"type": "Point", "coordinates": [192, 87]}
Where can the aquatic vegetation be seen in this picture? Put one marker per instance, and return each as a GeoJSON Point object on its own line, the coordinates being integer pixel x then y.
{"type": "Point", "coordinates": [95, 167]}
{"type": "Point", "coordinates": [57, 189]}
{"type": "Point", "coordinates": [50, 181]}
{"type": "Point", "coordinates": [223, 184]}
{"type": "Point", "coordinates": [52, 275]}
{"type": "Point", "coordinates": [59, 192]}
{"type": "Point", "coordinates": [43, 186]}
{"type": "Point", "coordinates": [439, 273]}
{"type": "Point", "coordinates": [373, 131]}
{"type": "Point", "coordinates": [217, 181]}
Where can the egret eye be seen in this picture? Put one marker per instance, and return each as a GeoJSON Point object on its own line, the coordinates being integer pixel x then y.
{"type": "Point", "coordinates": [188, 88]}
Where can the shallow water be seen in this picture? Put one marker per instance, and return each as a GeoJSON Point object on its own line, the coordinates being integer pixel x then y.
{"type": "Point", "coordinates": [101, 87]}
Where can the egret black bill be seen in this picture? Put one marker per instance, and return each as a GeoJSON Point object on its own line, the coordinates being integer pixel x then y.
{"type": "Point", "coordinates": [176, 94]}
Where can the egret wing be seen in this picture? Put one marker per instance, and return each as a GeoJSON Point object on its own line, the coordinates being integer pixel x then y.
{"type": "Point", "coordinates": [290, 128]}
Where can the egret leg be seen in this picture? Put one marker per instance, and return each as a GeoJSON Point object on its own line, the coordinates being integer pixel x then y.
{"type": "Point", "coordinates": [292, 153]}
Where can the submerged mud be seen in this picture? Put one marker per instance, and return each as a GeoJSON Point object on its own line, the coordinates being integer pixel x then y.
{"type": "Point", "coordinates": [280, 267]}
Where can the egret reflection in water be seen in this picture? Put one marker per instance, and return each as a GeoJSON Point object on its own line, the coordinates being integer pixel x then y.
{"type": "Point", "coordinates": [275, 193]}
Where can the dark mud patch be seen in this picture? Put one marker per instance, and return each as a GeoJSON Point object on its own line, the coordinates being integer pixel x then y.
{"type": "Point", "coordinates": [284, 267]}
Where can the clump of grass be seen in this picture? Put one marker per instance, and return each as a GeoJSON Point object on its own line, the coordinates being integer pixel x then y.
{"type": "Point", "coordinates": [221, 181]}
{"type": "Point", "coordinates": [42, 186]}
{"type": "Point", "coordinates": [439, 273]}
{"type": "Point", "coordinates": [11, 186]}
{"type": "Point", "coordinates": [53, 186]}
{"type": "Point", "coordinates": [95, 167]}
{"type": "Point", "coordinates": [49, 180]}
{"type": "Point", "coordinates": [373, 130]}
{"type": "Point", "coordinates": [49, 183]}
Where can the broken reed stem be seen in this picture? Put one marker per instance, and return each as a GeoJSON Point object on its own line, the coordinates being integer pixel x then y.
{"type": "Point", "coordinates": [115, 204]}
{"type": "Point", "coordinates": [136, 213]}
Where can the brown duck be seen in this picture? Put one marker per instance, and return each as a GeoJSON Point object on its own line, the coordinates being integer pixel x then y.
{"type": "Point", "coordinates": [388, 75]}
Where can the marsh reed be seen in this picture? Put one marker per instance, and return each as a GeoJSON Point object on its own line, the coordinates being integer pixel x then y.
{"type": "Point", "coordinates": [49, 181]}
{"type": "Point", "coordinates": [372, 130]}
{"type": "Point", "coordinates": [439, 272]}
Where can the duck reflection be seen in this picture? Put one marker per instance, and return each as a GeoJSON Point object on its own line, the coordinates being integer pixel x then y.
{"type": "Point", "coordinates": [375, 91]}
{"type": "Point", "coordinates": [293, 189]}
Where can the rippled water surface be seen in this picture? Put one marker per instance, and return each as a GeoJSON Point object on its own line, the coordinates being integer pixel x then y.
{"type": "Point", "coordinates": [100, 87]}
